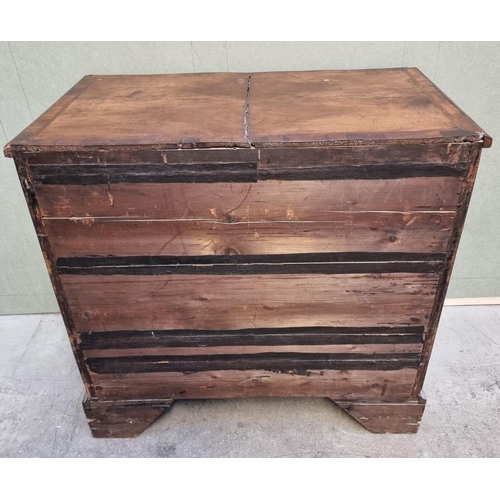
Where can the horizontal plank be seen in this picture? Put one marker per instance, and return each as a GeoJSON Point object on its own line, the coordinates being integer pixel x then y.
{"type": "Point", "coordinates": [389, 171]}
{"type": "Point", "coordinates": [311, 336]}
{"type": "Point", "coordinates": [179, 260]}
{"type": "Point", "coordinates": [264, 201]}
{"type": "Point", "coordinates": [129, 266]}
{"type": "Point", "coordinates": [364, 155]}
{"type": "Point", "coordinates": [143, 155]}
{"type": "Point", "coordinates": [293, 362]}
{"type": "Point", "coordinates": [332, 155]}
{"type": "Point", "coordinates": [88, 175]}
{"type": "Point", "coordinates": [101, 303]}
{"type": "Point", "coordinates": [368, 349]}
{"type": "Point", "coordinates": [368, 385]}
{"type": "Point", "coordinates": [373, 232]}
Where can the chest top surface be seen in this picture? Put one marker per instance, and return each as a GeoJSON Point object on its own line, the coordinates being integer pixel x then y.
{"type": "Point", "coordinates": [312, 108]}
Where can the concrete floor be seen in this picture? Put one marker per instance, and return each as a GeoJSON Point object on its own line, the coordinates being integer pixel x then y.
{"type": "Point", "coordinates": [41, 415]}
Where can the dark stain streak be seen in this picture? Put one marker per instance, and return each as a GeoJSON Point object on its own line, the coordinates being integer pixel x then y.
{"type": "Point", "coordinates": [242, 201]}
{"type": "Point", "coordinates": [179, 232]}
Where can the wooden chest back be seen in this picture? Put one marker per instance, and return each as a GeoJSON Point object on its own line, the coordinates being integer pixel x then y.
{"type": "Point", "coordinates": [305, 259]}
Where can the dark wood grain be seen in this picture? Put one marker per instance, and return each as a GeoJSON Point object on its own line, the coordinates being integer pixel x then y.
{"type": "Point", "coordinates": [293, 362]}
{"type": "Point", "coordinates": [129, 266]}
{"type": "Point", "coordinates": [363, 172]}
{"type": "Point", "coordinates": [153, 155]}
{"type": "Point", "coordinates": [88, 175]}
{"type": "Point", "coordinates": [100, 303]}
{"type": "Point", "coordinates": [180, 260]}
{"type": "Point", "coordinates": [373, 232]}
{"type": "Point", "coordinates": [264, 201]}
{"type": "Point", "coordinates": [372, 154]}
{"type": "Point", "coordinates": [129, 339]}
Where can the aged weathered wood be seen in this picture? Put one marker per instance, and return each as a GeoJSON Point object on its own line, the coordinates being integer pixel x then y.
{"type": "Point", "coordinates": [203, 110]}
{"type": "Point", "coordinates": [280, 362]}
{"type": "Point", "coordinates": [349, 232]}
{"type": "Point", "coordinates": [369, 349]}
{"type": "Point", "coordinates": [65, 264]}
{"type": "Point", "coordinates": [236, 235]}
{"type": "Point", "coordinates": [344, 385]}
{"type": "Point", "coordinates": [122, 419]}
{"type": "Point", "coordinates": [380, 418]}
{"type": "Point", "coordinates": [106, 266]}
{"type": "Point", "coordinates": [148, 155]}
{"type": "Point", "coordinates": [264, 201]}
{"type": "Point", "coordinates": [352, 107]}
{"type": "Point", "coordinates": [422, 154]}
{"type": "Point", "coordinates": [89, 175]}
{"type": "Point", "coordinates": [396, 334]}
{"type": "Point", "coordinates": [121, 302]}
{"type": "Point", "coordinates": [368, 155]}
{"type": "Point", "coordinates": [228, 109]}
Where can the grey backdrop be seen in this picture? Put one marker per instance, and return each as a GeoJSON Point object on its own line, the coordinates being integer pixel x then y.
{"type": "Point", "coordinates": [33, 75]}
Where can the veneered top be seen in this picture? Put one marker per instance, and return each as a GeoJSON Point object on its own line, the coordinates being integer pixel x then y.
{"type": "Point", "coordinates": [241, 110]}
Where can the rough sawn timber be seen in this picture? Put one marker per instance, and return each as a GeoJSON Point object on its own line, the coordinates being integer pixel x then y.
{"type": "Point", "coordinates": [247, 235]}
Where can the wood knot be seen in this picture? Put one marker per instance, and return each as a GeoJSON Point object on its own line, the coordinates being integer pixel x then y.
{"type": "Point", "coordinates": [392, 238]}
{"type": "Point", "coordinates": [229, 218]}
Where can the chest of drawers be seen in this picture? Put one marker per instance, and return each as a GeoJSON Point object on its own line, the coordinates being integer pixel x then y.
{"type": "Point", "coordinates": [235, 235]}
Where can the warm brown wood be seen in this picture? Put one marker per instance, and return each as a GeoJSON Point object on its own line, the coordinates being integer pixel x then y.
{"type": "Point", "coordinates": [168, 110]}
{"type": "Point", "coordinates": [27, 135]}
{"type": "Point", "coordinates": [231, 109]}
{"type": "Point", "coordinates": [352, 106]}
{"type": "Point", "coordinates": [381, 418]}
{"type": "Point", "coordinates": [205, 302]}
{"type": "Point", "coordinates": [366, 385]}
{"type": "Point", "coordinates": [122, 419]}
{"type": "Point", "coordinates": [237, 235]}
{"type": "Point", "coordinates": [264, 201]}
{"type": "Point", "coordinates": [349, 232]}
